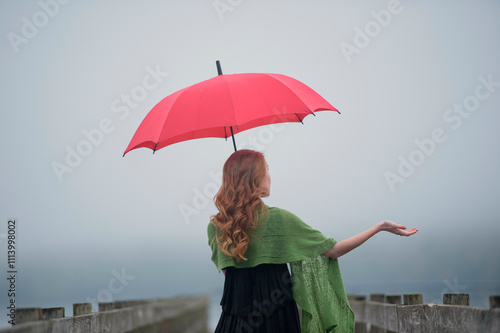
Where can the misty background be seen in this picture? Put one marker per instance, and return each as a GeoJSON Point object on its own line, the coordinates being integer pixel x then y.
{"type": "Point", "coordinates": [418, 86]}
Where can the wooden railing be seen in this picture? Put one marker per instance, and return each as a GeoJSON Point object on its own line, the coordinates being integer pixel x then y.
{"type": "Point", "coordinates": [183, 314]}
{"type": "Point", "coordinates": [393, 313]}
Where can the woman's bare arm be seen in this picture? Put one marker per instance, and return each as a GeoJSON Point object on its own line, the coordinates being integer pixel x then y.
{"type": "Point", "coordinates": [349, 244]}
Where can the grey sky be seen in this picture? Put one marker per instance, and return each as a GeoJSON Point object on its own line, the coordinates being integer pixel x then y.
{"type": "Point", "coordinates": [401, 149]}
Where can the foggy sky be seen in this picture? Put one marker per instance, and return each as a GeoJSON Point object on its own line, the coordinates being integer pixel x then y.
{"type": "Point", "coordinates": [417, 83]}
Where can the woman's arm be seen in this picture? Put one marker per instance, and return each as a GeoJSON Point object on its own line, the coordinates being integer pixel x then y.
{"type": "Point", "coordinates": [349, 244]}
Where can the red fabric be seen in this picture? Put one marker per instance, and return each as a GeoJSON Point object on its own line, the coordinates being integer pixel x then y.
{"type": "Point", "coordinates": [209, 108]}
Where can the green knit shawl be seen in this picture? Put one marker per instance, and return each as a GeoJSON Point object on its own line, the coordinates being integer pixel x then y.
{"type": "Point", "coordinates": [281, 237]}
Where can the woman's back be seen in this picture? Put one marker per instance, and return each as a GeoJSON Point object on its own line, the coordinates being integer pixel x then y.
{"type": "Point", "coordinates": [258, 299]}
{"type": "Point", "coordinates": [252, 244]}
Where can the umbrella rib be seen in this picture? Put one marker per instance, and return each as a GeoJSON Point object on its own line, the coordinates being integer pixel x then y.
{"type": "Point", "coordinates": [179, 93]}
{"type": "Point", "coordinates": [228, 89]}
{"type": "Point", "coordinates": [293, 92]}
{"type": "Point", "coordinates": [300, 119]}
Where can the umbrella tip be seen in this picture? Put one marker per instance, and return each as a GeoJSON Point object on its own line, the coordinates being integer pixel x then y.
{"type": "Point", "coordinates": [219, 68]}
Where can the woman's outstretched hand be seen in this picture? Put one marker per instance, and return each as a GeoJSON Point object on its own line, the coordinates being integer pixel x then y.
{"type": "Point", "coordinates": [349, 244]}
{"type": "Point", "coordinates": [397, 229]}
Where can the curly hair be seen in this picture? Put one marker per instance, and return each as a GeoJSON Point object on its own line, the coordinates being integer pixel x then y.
{"type": "Point", "coordinates": [239, 201]}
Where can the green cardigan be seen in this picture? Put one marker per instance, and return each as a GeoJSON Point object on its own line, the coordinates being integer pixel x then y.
{"type": "Point", "coordinates": [281, 237]}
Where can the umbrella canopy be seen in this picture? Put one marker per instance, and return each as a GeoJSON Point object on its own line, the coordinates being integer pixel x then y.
{"type": "Point", "coordinates": [224, 105]}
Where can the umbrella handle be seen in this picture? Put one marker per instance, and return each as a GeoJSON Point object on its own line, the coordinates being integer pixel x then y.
{"type": "Point", "coordinates": [219, 71]}
{"type": "Point", "coordinates": [232, 135]}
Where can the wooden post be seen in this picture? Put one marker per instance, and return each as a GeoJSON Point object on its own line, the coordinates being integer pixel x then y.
{"type": "Point", "coordinates": [381, 299]}
{"type": "Point", "coordinates": [53, 313]}
{"type": "Point", "coordinates": [495, 302]}
{"type": "Point", "coordinates": [393, 299]}
{"type": "Point", "coordinates": [456, 299]}
{"type": "Point", "coordinates": [28, 314]}
{"type": "Point", "coordinates": [412, 299]}
{"type": "Point", "coordinates": [359, 326]}
{"type": "Point", "coordinates": [377, 298]}
{"type": "Point", "coordinates": [82, 309]}
{"type": "Point", "coordinates": [106, 306]}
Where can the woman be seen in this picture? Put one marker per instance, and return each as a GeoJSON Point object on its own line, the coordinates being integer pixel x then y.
{"type": "Point", "coordinates": [252, 243]}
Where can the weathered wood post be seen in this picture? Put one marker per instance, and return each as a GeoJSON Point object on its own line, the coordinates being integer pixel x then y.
{"type": "Point", "coordinates": [380, 298]}
{"type": "Point", "coordinates": [377, 298]}
{"type": "Point", "coordinates": [24, 315]}
{"type": "Point", "coordinates": [360, 324]}
{"type": "Point", "coordinates": [492, 317]}
{"type": "Point", "coordinates": [456, 299]}
{"type": "Point", "coordinates": [82, 309]}
{"type": "Point", "coordinates": [106, 306]}
{"type": "Point", "coordinates": [52, 313]}
{"type": "Point", "coordinates": [495, 302]}
{"type": "Point", "coordinates": [411, 315]}
{"type": "Point", "coordinates": [412, 299]}
{"type": "Point", "coordinates": [393, 299]}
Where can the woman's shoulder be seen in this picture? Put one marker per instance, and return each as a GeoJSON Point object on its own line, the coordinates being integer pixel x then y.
{"type": "Point", "coordinates": [275, 209]}
{"type": "Point", "coordinates": [276, 212]}
{"type": "Point", "coordinates": [210, 228]}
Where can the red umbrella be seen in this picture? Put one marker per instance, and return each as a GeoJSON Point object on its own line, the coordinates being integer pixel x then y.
{"type": "Point", "coordinates": [226, 105]}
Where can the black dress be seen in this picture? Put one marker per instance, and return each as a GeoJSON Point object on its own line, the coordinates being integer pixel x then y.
{"type": "Point", "coordinates": [258, 300]}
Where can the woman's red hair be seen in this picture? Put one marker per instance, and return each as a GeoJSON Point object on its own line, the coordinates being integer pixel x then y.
{"type": "Point", "coordinates": [239, 201]}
